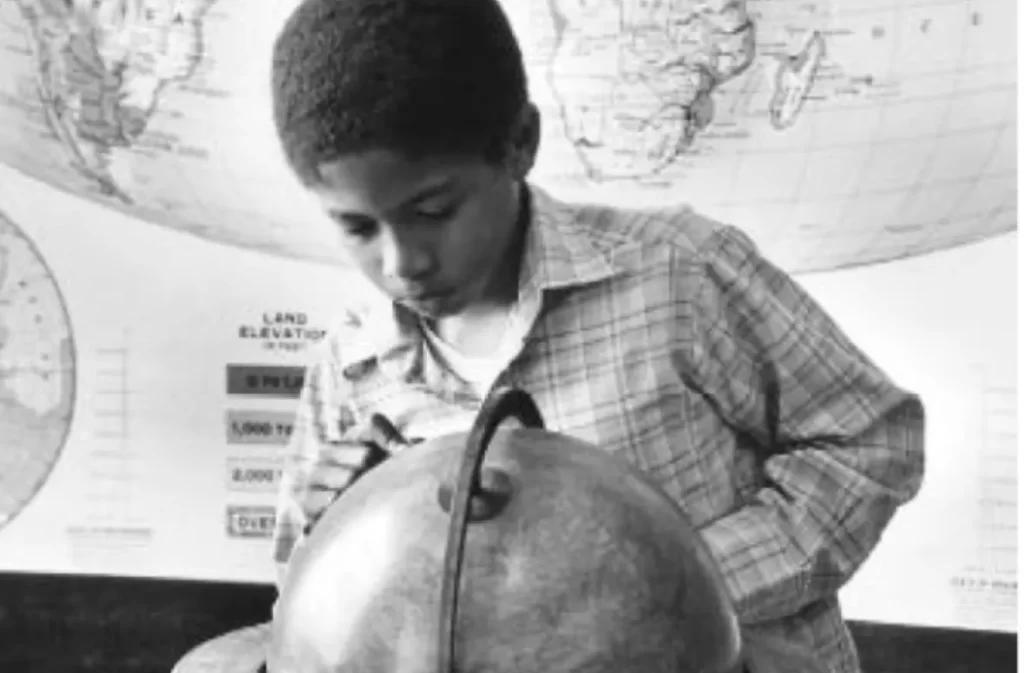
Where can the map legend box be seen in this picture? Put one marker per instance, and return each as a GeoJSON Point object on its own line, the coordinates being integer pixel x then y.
{"type": "Point", "coordinates": [265, 380]}
{"type": "Point", "coordinates": [252, 476]}
{"type": "Point", "coordinates": [245, 426]}
{"type": "Point", "coordinates": [246, 521]}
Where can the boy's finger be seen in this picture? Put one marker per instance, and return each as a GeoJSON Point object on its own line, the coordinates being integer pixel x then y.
{"type": "Point", "coordinates": [384, 433]}
{"type": "Point", "coordinates": [351, 456]}
{"type": "Point", "coordinates": [332, 478]}
{"type": "Point", "coordinates": [316, 501]}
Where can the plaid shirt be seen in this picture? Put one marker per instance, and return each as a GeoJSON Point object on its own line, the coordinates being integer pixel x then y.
{"type": "Point", "coordinates": [666, 338]}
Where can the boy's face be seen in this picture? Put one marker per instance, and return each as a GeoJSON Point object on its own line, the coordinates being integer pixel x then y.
{"type": "Point", "coordinates": [431, 233]}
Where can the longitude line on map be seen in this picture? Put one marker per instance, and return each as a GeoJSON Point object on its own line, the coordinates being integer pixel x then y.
{"type": "Point", "coordinates": [200, 203]}
{"type": "Point", "coordinates": [913, 191]}
{"type": "Point", "coordinates": [199, 226]}
{"type": "Point", "coordinates": [830, 230]}
{"type": "Point", "coordinates": [619, 65]}
{"type": "Point", "coordinates": [739, 153]}
{"type": "Point", "coordinates": [989, 214]}
{"type": "Point", "coordinates": [235, 188]}
{"type": "Point", "coordinates": [857, 192]}
{"type": "Point", "coordinates": [809, 124]}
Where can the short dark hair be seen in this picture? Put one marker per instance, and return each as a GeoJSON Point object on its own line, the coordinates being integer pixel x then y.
{"type": "Point", "coordinates": [421, 77]}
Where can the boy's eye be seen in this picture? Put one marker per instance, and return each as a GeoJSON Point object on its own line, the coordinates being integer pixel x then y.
{"type": "Point", "coordinates": [361, 230]}
{"type": "Point", "coordinates": [357, 227]}
{"type": "Point", "coordinates": [436, 211]}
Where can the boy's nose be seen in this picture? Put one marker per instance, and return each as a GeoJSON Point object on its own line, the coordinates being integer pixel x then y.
{"type": "Point", "coordinates": [407, 258]}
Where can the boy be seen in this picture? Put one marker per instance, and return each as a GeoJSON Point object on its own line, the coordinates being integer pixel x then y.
{"type": "Point", "coordinates": [660, 336]}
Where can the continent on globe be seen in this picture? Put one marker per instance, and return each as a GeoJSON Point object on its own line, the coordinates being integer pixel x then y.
{"type": "Point", "coordinates": [100, 68]}
{"type": "Point", "coordinates": [792, 78]}
{"type": "Point", "coordinates": [36, 371]}
{"type": "Point", "coordinates": [634, 79]}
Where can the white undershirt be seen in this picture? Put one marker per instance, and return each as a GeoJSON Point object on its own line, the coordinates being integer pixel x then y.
{"type": "Point", "coordinates": [479, 372]}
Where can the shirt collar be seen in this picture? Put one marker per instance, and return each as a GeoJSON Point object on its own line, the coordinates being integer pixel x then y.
{"type": "Point", "coordinates": [559, 252]}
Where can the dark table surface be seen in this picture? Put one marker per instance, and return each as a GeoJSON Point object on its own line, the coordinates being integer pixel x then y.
{"type": "Point", "coordinates": [78, 624]}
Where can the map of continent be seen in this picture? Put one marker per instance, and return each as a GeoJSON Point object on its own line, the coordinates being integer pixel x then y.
{"type": "Point", "coordinates": [635, 80]}
{"type": "Point", "coordinates": [37, 373]}
{"type": "Point", "coordinates": [101, 67]}
{"type": "Point", "coordinates": [836, 133]}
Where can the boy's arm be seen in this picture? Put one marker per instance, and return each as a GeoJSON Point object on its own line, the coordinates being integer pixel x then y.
{"type": "Point", "coordinates": [298, 459]}
{"type": "Point", "coordinates": [321, 417]}
{"type": "Point", "coordinates": [846, 444]}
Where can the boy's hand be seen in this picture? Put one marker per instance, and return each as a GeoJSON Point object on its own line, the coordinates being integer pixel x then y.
{"type": "Point", "coordinates": [341, 464]}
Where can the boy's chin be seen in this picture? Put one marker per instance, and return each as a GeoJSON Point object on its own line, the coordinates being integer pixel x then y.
{"type": "Point", "coordinates": [434, 308]}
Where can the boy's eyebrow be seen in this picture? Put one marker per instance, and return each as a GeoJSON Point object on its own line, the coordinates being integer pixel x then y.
{"type": "Point", "coordinates": [424, 193]}
{"type": "Point", "coordinates": [430, 191]}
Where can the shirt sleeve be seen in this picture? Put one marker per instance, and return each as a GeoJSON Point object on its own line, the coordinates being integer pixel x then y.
{"type": "Point", "coordinates": [320, 418]}
{"type": "Point", "coordinates": [845, 445]}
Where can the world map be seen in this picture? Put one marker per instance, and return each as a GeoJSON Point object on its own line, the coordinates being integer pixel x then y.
{"type": "Point", "coordinates": [836, 133]}
{"type": "Point", "coordinates": [37, 371]}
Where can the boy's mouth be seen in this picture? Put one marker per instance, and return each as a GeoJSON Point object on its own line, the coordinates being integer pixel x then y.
{"type": "Point", "coordinates": [427, 297]}
{"type": "Point", "coordinates": [427, 302]}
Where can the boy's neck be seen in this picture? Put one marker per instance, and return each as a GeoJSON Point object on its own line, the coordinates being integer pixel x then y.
{"type": "Point", "coordinates": [489, 314]}
{"type": "Point", "coordinates": [503, 290]}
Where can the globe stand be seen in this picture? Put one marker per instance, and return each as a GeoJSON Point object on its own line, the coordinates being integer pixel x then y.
{"type": "Point", "coordinates": [479, 494]}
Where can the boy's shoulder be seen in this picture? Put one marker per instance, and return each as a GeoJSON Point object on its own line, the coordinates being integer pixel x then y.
{"type": "Point", "coordinates": [636, 235]}
{"type": "Point", "coordinates": [351, 333]}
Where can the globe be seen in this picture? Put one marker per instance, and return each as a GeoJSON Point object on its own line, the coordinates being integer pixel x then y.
{"type": "Point", "coordinates": [37, 373]}
{"type": "Point", "coordinates": [836, 133]}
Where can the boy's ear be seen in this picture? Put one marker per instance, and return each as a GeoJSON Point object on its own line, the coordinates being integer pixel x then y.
{"type": "Point", "coordinates": [525, 141]}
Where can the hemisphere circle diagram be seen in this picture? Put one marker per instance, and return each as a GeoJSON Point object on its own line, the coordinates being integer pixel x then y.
{"type": "Point", "coordinates": [37, 371]}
